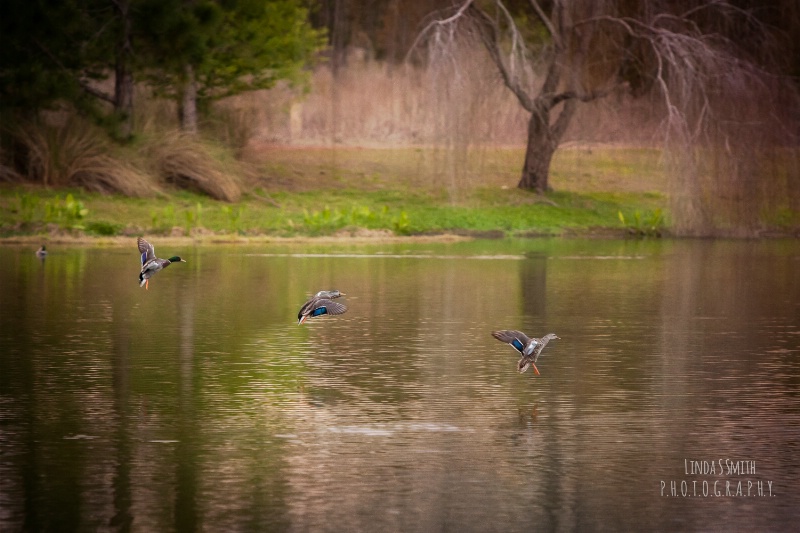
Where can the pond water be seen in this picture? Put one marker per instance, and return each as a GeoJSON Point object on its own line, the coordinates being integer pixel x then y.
{"type": "Point", "coordinates": [671, 402]}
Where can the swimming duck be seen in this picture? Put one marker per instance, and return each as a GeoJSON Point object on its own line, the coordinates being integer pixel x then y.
{"type": "Point", "coordinates": [529, 348]}
{"type": "Point", "coordinates": [41, 253]}
{"type": "Point", "coordinates": [321, 304]}
{"type": "Point", "coordinates": [150, 263]}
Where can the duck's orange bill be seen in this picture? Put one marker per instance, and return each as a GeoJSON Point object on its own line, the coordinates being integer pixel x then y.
{"type": "Point", "coordinates": [535, 369]}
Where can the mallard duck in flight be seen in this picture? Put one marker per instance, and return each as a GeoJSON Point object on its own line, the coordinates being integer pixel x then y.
{"type": "Point", "coordinates": [150, 263]}
{"type": "Point", "coordinates": [529, 348]}
{"type": "Point", "coordinates": [321, 304]}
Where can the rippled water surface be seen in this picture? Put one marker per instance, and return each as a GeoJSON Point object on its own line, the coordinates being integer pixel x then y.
{"type": "Point", "coordinates": [671, 402]}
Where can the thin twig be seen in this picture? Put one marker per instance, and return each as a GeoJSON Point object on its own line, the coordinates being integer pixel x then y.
{"type": "Point", "coordinates": [548, 24]}
{"type": "Point", "coordinates": [443, 22]}
{"type": "Point", "coordinates": [266, 199]}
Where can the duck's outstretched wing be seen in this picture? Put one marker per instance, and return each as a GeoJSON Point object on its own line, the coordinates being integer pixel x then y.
{"type": "Point", "coordinates": [328, 307]}
{"type": "Point", "coordinates": [146, 249]}
{"type": "Point", "coordinates": [319, 306]}
{"type": "Point", "coordinates": [308, 306]}
{"type": "Point", "coordinates": [516, 339]}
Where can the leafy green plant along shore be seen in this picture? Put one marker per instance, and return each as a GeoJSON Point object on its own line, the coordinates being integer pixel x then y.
{"type": "Point", "coordinates": [309, 192]}
{"type": "Point", "coordinates": [40, 213]}
{"type": "Point", "coordinates": [292, 200]}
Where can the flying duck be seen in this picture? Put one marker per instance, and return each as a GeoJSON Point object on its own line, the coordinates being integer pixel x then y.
{"type": "Point", "coordinates": [529, 348]}
{"type": "Point", "coordinates": [321, 304]}
{"type": "Point", "coordinates": [150, 263]}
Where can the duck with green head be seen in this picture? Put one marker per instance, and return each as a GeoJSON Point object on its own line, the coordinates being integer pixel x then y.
{"type": "Point", "coordinates": [150, 263]}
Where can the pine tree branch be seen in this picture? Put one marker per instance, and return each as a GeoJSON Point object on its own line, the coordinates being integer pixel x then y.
{"type": "Point", "coordinates": [97, 93]}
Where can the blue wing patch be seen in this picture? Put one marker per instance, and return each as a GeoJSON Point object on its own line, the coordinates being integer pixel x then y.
{"type": "Point", "coordinates": [144, 257]}
{"type": "Point", "coordinates": [319, 311]}
{"type": "Point", "coordinates": [517, 344]}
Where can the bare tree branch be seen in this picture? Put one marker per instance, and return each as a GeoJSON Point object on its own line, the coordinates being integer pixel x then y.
{"type": "Point", "coordinates": [557, 39]}
{"type": "Point", "coordinates": [561, 124]}
{"type": "Point", "coordinates": [488, 33]}
{"type": "Point", "coordinates": [556, 99]}
{"type": "Point", "coordinates": [97, 93]}
{"type": "Point", "coordinates": [438, 24]}
{"type": "Point", "coordinates": [706, 63]}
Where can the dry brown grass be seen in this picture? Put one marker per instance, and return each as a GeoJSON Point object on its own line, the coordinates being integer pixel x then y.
{"type": "Point", "coordinates": [728, 177]}
{"type": "Point", "coordinates": [68, 151]}
{"type": "Point", "coordinates": [373, 103]}
{"type": "Point", "coordinates": [456, 113]}
{"type": "Point", "coordinates": [8, 173]}
{"type": "Point", "coordinates": [62, 149]}
{"type": "Point", "coordinates": [188, 162]}
{"type": "Point", "coordinates": [741, 173]}
{"type": "Point", "coordinates": [452, 129]}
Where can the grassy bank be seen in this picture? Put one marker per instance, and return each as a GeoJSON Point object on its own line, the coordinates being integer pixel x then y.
{"type": "Point", "coordinates": [362, 191]}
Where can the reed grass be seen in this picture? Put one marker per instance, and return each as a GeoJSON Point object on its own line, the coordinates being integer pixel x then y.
{"type": "Point", "coordinates": [397, 130]}
{"type": "Point", "coordinates": [187, 162]}
{"type": "Point", "coordinates": [72, 152]}
{"type": "Point", "coordinates": [373, 103]}
{"type": "Point", "coordinates": [375, 191]}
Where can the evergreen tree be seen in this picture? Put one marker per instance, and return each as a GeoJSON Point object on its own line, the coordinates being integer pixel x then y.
{"type": "Point", "coordinates": [52, 51]}
{"type": "Point", "coordinates": [199, 51]}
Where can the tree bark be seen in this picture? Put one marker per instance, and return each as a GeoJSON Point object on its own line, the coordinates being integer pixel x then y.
{"type": "Point", "coordinates": [538, 154]}
{"type": "Point", "coordinates": [543, 138]}
{"type": "Point", "coordinates": [123, 97]}
{"type": "Point", "coordinates": [543, 141]}
{"type": "Point", "coordinates": [187, 110]}
{"type": "Point", "coordinates": [123, 77]}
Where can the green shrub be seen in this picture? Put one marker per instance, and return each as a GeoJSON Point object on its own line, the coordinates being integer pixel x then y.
{"type": "Point", "coordinates": [104, 228]}
{"type": "Point", "coordinates": [67, 213]}
{"type": "Point", "coordinates": [648, 225]}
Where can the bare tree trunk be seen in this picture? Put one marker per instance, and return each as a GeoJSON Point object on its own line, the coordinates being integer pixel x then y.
{"type": "Point", "coordinates": [187, 110]}
{"type": "Point", "coordinates": [543, 137]}
{"type": "Point", "coordinates": [123, 96]}
{"type": "Point", "coordinates": [543, 141]}
{"type": "Point", "coordinates": [714, 69]}
{"type": "Point", "coordinates": [123, 78]}
{"type": "Point", "coordinates": [338, 59]}
{"type": "Point", "coordinates": [538, 154]}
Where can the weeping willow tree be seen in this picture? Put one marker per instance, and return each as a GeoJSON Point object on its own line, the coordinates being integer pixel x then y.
{"type": "Point", "coordinates": [711, 69]}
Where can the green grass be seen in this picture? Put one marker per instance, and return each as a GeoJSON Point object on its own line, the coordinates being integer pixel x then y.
{"type": "Point", "coordinates": [310, 192]}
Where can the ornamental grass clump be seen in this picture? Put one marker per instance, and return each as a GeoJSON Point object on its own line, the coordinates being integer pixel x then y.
{"type": "Point", "coordinates": [74, 153]}
{"type": "Point", "coordinates": [186, 162]}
